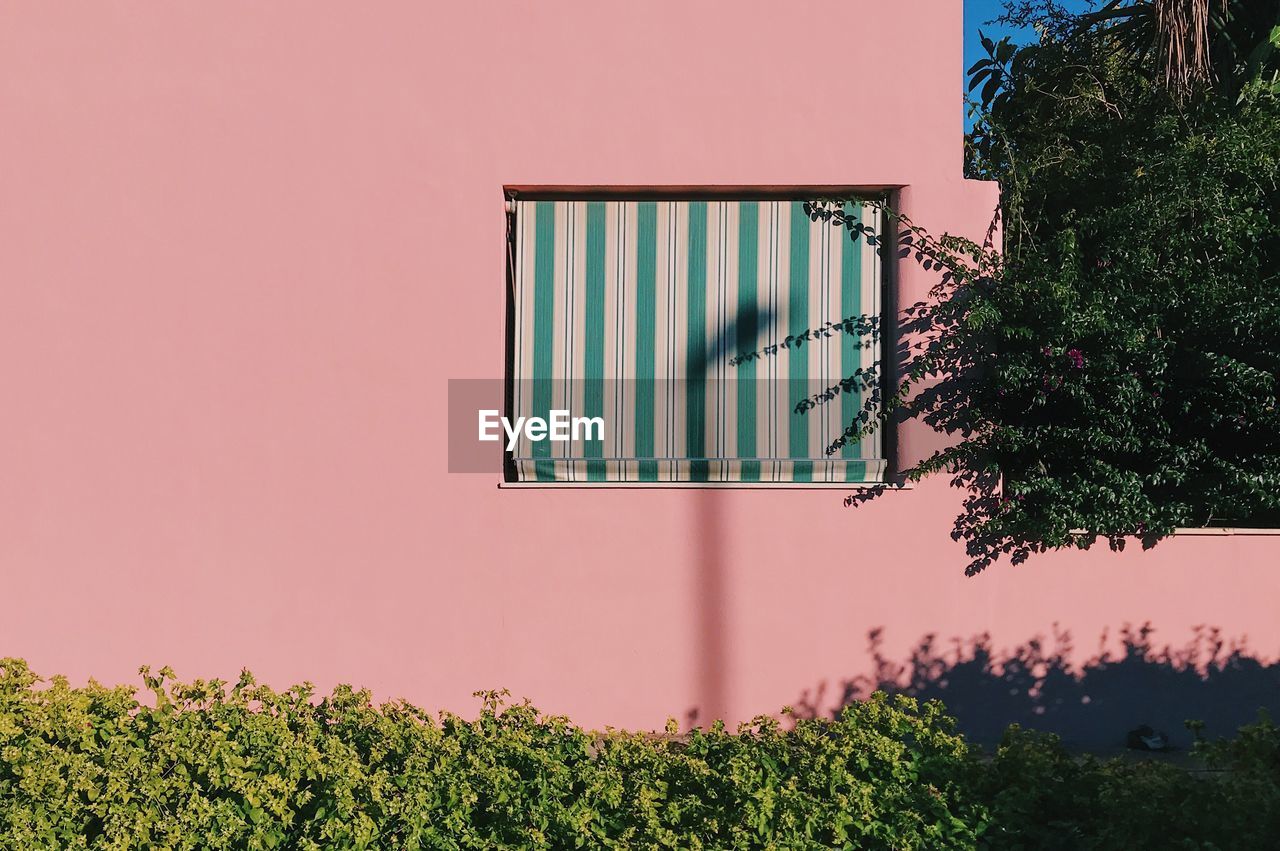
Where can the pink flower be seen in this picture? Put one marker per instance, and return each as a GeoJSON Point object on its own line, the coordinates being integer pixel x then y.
{"type": "Point", "coordinates": [1077, 358]}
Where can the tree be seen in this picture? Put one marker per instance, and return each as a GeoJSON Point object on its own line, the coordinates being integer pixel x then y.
{"type": "Point", "coordinates": [1112, 372]}
{"type": "Point", "coordinates": [1195, 44]}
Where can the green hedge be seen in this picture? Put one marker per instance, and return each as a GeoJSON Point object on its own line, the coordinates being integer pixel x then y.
{"type": "Point", "coordinates": [214, 765]}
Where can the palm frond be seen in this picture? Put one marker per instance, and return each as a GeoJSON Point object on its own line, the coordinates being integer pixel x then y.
{"type": "Point", "coordinates": [1184, 42]}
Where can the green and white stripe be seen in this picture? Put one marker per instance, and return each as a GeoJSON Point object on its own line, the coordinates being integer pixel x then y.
{"type": "Point", "coordinates": [631, 311]}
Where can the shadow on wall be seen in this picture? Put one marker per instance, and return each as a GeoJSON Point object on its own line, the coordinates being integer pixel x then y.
{"type": "Point", "coordinates": [1091, 706]}
{"type": "Point", "coordinates": [708, 557]}
{"type": "Point", "coordinates": [710, 578]}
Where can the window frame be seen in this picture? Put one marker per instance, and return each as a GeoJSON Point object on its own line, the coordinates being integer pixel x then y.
{"type": "Point", "coordinates": [888, 313]}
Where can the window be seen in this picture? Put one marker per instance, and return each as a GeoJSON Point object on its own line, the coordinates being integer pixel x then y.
{"type": "Point", "coordinates": [629, 314]}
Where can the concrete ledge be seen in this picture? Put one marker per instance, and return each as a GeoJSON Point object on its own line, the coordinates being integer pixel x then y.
{"type": "Point", "coordinates": [1225, 530]}
{"type": "Point", "coordinates": [700, 486]}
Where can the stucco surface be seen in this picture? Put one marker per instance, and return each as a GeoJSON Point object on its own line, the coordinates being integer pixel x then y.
{"type": "Point", "coordinates": [244, 247]}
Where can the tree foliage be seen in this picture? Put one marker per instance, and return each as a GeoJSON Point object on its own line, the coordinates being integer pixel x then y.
{"type": "Point", "coordinates": [1195, 44]}
{"type": "Point", "coordinates": [1111, 371]}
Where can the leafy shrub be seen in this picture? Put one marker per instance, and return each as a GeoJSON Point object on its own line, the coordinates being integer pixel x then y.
{"type": "Point", "coordinates": [1113, 371]}
{"type": "Point", "coordinates": [1043, 797]}
{"type": "Point", "coordinates": [246, 767]}
{"type": "Point", "coordinates": [212, 765]}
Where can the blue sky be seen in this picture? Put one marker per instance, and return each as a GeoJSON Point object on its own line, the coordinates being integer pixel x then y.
{"type": "Point", "coordinates": [976, 15]}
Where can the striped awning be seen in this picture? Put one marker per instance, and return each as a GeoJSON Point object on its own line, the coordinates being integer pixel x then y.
{"type": "Point", "coordinates": [631, 312]}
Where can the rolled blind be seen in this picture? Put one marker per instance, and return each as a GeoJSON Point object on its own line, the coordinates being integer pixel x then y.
{"type": "Point", "coordinates": [631, 311]}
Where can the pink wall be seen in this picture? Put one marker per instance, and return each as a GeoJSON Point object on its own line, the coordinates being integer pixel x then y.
{"type": "Point", "coordinates": [245, 245]}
